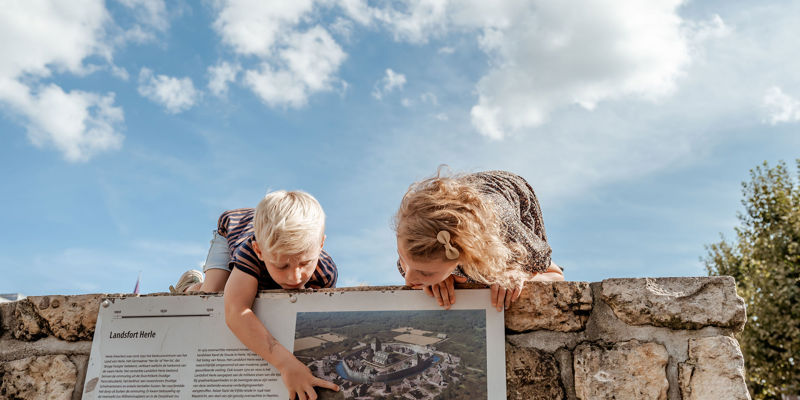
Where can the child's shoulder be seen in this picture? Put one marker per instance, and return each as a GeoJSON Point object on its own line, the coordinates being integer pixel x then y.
{"type": "Point", "coordinates": [326, 274]}
{"type": "Point", "coordinates": [235, 214]}
{"type": "Point", "coordinates": [228, 220]}
{"type": "Point", "coordinates": [239, 211]}
{"type": "Point", "coordinates": [498, 182]}
{"type": "Point", "coordinates": [496, 174]}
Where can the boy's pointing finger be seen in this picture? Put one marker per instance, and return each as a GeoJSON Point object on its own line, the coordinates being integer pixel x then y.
{"type": "Point", "coordinates": [325, 384]}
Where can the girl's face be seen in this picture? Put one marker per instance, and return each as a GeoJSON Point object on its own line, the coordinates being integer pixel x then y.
{"type": "Point", "coordinates": [424, 273]}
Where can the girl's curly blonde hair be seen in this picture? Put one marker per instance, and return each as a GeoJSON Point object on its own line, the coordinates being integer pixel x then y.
{"type": "Point", "coordinates": [452, 204]}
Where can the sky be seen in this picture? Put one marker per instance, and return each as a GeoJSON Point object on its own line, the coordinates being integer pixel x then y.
{"type": "Point", "coordinates": [128, 126]}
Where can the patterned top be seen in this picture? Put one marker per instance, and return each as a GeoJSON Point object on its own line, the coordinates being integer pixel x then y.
{"type": "Point", "coordinates": [518, 209]}
{"type": "Point", "coordinates": [238, 228]}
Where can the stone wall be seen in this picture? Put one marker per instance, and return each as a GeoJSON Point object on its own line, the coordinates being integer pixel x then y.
{"type": "Point", "coordinates": [648, 338]}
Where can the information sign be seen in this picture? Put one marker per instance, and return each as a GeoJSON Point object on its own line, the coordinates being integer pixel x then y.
{"type": "Point", "coordinates": [373, 344]}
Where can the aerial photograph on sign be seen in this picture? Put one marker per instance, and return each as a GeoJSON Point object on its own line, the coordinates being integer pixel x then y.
{"type": "Point", "coordinates": [428, 354]}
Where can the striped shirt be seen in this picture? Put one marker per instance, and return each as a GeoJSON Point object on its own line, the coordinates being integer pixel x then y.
{"type": "Point", "coordinates": [238, 228]}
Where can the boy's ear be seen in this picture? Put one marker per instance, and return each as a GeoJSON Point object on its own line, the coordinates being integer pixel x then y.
{"type": "Point", "coordinates": [257, 250]}
{"type": "Point", "coordinates": [323, 241]}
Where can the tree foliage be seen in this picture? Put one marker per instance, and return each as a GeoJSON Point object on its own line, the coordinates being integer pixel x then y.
{"type": "Point", "coordinates": [765, 260]}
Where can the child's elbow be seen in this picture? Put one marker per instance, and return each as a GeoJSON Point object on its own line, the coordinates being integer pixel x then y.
{"type": "Point", "coordinates": [229, 319]}
{"type": "Point", "coordinates": [555, 271]}
{"type": "Point", "coordinates": [233, 314]}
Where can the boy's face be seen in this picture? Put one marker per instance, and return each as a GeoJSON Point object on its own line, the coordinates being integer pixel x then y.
{"type": "Point", "coordinates": [291, 271]}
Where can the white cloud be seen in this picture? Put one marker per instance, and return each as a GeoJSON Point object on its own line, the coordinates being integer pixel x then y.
{"type": "Point", "coordinates": [150, 12]}
{"type": "Point", "coordinates": [79, 124]}
{"type": "Point", "coordinates": [700, 31]}
{"type": "Point", "coordinates": [220, 76]}
{"type": "Point", "coordinates": [625, 139]}
{"type": "Point", "coordinates": [120, 72]}
{"type": "Point", "coordinates": [306, 64]}
{"type": "Point", "coordinates": [780, 106]}
{"type": "Point", "coordinates": [446, 50]}
{"type": "Point", "coordinates": [293, 64]}
{"type": "Point", "coordinates": [548, 56]}
{"type": "Point", "coordinates": [599, 51]}
{"type": "Point", "coordinates": [277, 87]}
{"type": "Point", "coordinates": [176, 94]}
{"type": "Point", "coordinates": [430, 98]}
{"type": "Point", "coordinates": [391, 81]}
{"type": "Point", "coordinates": [254, 27]}
{"type": "Point", "coordinates": [150, 15]}
{"type": "Point", "coordinates": [415, 20]}
{"type": "Point", "coordinates": [406, 102]}
{"type": "Point", "coordinates": [342, 27]}
{"type": "Point", "coordinates": [358, 10]}
{"type": "Point", "coordinates": [62, 37]}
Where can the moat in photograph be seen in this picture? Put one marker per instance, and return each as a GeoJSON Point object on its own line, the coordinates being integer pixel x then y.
{"type": "Point", "coordinates": [430, 354]}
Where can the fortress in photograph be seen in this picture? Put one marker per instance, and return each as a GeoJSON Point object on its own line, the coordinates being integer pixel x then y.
{"type": "Point", "coordinates": [388, 354]}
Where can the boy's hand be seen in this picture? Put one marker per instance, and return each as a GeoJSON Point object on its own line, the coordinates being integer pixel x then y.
{"type": "Point", "coordinates": [444, 292]}
{"type": "Point", "coordinates": [300, 382]}
{"type": "Point", "coordinates": [502, 297]}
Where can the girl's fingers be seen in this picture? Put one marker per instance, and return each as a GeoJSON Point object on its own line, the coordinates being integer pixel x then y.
{"type": "Point", "coordinates": [445, 295]}
{"type": "Point", "coordinates": [437, 294]}
{"type": "Point", "coordinates": [493, 295]}
{"type": "Point", "coordinates": [428, 291]}
{"type": "Point", "coordinates": [501, 296]}
{"type": "Point", "coordinates": [451, 292]}
{"type": "Point", "coordinates": [517, 292]}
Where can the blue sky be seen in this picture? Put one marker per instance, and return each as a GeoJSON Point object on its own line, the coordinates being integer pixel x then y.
{"type": "Point", "coordinates": [130, 125]}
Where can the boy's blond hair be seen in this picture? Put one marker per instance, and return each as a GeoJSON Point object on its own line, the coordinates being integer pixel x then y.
{"type": "Point", "coordinates": [288, 223]}
{"type": "Point", "coordinates": [451, 204]}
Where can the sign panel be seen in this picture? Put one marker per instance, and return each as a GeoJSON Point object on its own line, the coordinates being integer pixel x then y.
{"type": "Point", "coordinates": [373, 344]}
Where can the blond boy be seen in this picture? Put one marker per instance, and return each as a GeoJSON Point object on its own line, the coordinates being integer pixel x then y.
{"type": "Point", "coordinates": [277, 245]}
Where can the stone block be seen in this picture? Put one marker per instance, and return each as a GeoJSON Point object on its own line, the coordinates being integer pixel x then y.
{"type": "Point", "coordinates": [626, 370]}
{"type": "Point", "coordinates": [6, 312]}
{"type": "Point", "coordinates": [24, 322]}
{"type": "Point", "coordinates": [532, 374]}
{"type": "Point", "coordinates": [714, 370]}
{"type": "Point", "coordinates": [47, 377]}
{"type": "Point", "coordinates": [554, 306]}
{"type": "Point", "coordinates": [677, 303]}
{"type": "Point", "coordinates": [70, 318]}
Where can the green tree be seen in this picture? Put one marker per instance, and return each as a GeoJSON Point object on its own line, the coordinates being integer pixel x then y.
{"type": "Point", "coordinates": [765, 260]}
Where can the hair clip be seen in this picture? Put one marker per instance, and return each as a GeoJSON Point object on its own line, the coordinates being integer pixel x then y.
{"type": "Point", "coordinates": [449, 251]}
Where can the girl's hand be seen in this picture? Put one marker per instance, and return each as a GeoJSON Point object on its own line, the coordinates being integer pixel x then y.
{"type": "Point", "coordinates": [444, 292]}
{"type": "Point", "coordinates": [502, 297]}
{"type": "Point", "coordinates": [300, 382]}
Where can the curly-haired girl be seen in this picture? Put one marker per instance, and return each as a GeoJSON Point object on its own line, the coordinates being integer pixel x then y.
{"type": "Point", "coordinates": [484, 227]}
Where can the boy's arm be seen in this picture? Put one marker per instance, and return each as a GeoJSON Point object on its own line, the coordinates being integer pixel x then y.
{"type": "Point", "coordinates": [240, 292]}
